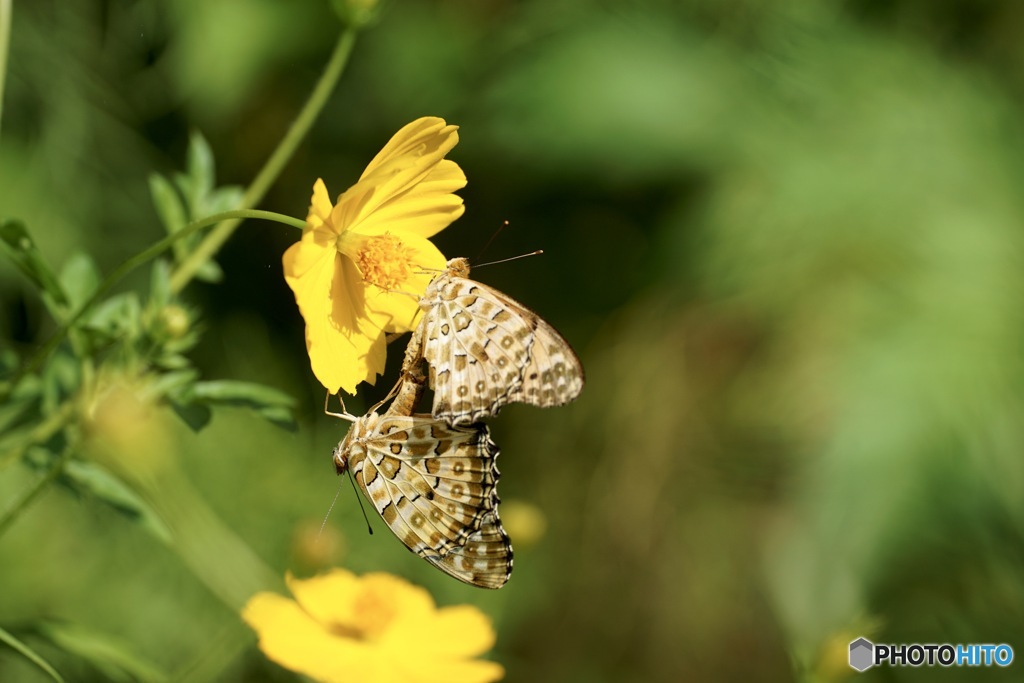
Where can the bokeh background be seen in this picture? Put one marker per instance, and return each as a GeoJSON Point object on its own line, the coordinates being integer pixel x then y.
{"type": "Point", "coordinates": [784, 237]}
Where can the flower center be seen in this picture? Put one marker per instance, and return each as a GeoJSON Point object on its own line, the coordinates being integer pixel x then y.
{"type": "Point", "coordinates": [385, 261]}
{"type": "Point", "coordinates": [372, 614]}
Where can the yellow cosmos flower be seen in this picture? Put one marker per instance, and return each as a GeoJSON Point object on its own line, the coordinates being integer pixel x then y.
{"type": "Point", "coordinates": [363, 262]}
{"type": "Point", "coordinates": [372, 629]}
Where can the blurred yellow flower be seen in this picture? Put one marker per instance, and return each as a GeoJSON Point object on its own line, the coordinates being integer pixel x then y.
{"type": "Point", "coordinates": [363, 262]}
{"type": "Point", "coordinates": [376, 628]}
{"type": "Point", "coordinates": [523, 521]}
{"type": "Point", "coordinates": [126, 430]}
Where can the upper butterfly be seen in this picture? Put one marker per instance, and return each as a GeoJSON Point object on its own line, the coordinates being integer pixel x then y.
{"type": "Point", "coordinates": [486, 350]}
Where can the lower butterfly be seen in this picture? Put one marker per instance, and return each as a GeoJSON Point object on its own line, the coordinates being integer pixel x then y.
{"type": "Point", "coordinates": [434, 485]}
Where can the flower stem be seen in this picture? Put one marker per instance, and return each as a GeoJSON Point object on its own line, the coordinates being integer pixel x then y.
{"type": "Point", "coordinates": [5, 40]}
{"type": "Point", "coordinates": [217, 556]}
{"type": "Point", "coordinates": [128, 266]}
{"type": "Point", "coordinates": [275, 164]}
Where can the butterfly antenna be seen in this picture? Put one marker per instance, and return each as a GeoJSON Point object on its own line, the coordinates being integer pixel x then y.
{"type": "Point", "coordinates": [512, 258]}
{"type": "Point", "coordinates": [360, 501]}
{"type": "Point", "coordinates": [428, 271]}
{"type": "Point", "coordinates": [496, 233]}
{"type": "Point", "coordinates": [324, 523]}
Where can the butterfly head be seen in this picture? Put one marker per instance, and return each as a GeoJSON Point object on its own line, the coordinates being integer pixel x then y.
{"type": "Point", "coordinates": [353, 446]}
{"type": "Point", "coordinates": [458, 267]}
{"type": "Point", "coordinates": [340, 455]}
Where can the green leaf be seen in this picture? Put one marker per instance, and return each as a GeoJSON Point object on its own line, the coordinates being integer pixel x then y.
{"type": "Point", "coordinates": [210, 272]}
{"type": "Point", "coordinates": [16, 411]}
{"type": "Point", "coordinates": [160, 284]}
{"type": "Point", "coordinates": [183, 344]}
{"type": "Point", "coordinates": [174, 384]}
{"type": "Point", "coordinates": [272, 404]}
{"type": "Point", "coordinates": [224, 198]}
{"type": "Point", "coordinates": [60, 379]}
{"type": "Point", "coordinates": [117, 316]}
{"type": "Point", "coordinates": [172, 211]}
{"type": "Point", "coordinates": [19, 247]}
{"type": "Point", "coordinates": [233, 391]}
{"type": "Point", "coordinates": [200, 172]}
{"type": "Point", "coordinates": [172, 361]}
{"type": "Point", "coordinates": [168, 204]}
{"type": "Point", "coordinates": [89, 478]}
{"type": "Point", "coordinates": [197, 188]}
{"type": "Point", "coordinates": [110, 656]}
{"type": "Point", "coordinates": [19, 402]}
{"type": "Point", "coordinates": [9, 361]}
{"type": "Point", "coordinates": [195, 415]}
{"type": "Point", "coordinates": [79, 277]}
{"type": "Point", "coordinates": [29, 654]}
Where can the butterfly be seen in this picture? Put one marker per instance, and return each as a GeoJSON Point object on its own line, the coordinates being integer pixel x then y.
{"type": "Point", "coordinates": [434, 485]}
{"type": "Point", "coordinates": [486, 350]}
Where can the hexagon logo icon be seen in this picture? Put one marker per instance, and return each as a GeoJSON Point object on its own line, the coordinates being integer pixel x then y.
{"type": "Point", "coordinates": [862, 653]}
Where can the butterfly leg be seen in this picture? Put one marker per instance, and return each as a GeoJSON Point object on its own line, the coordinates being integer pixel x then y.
{"type": "Point", "coordinates": [345, 415]}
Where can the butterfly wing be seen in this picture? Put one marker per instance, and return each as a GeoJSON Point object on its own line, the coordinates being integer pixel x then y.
{"type": "Point", "coordinates": [554, 374]}
{"type": "Point", "coordinates": [486, 350]}
{"type": "Point", "coordinates": [435, 487]}
{"type": "Point", "coordinates": [476, 348]}
{"type": "Point", "coordinates": [486, 558]}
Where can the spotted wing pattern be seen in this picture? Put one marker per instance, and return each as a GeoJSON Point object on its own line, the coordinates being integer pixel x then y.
{"type": "Point", "coordinates": [435, 487]}
{"type": "Point", "coordinates": [486, 350]}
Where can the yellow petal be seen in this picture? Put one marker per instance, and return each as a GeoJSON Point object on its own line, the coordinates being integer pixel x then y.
{"type": "Point", "coordinates": [473, 628]}
{"type": "Point", "coordinates": [377, 628]}
{"type": "Point", "coordinates": [345, 347]}
{"type": "Point", "coordinates": [391, 183]}
{"type": "Point", "coordinates": [290, 637]}
{"type": "Point", "coordinates": [335, 596]}
{"type": "Point", "coordinates": [450, 633]}
{"type": "Point", "coordinates": [455, 671]}
{"type": "Point", "coordinates": [424, 209]}
{"type": "Point", "coordinates": [426, 131]}
{"type": "Point", "coordinates": [359, 327]}
{"type": "Point", "coordinates": [320, 206]}
{"type": "Point", "coordinates": [326, 597]}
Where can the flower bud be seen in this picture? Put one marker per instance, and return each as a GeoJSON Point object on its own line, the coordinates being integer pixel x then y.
{"type": "Point", "coordinates": [175, 321]}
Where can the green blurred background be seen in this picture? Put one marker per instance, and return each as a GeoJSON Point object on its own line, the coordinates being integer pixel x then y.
{"type": "Point", "coordinates": [784, 237]}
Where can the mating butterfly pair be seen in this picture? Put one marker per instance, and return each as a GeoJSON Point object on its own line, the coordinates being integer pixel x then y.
{"type": "Point", "coordinates": [433, 477]}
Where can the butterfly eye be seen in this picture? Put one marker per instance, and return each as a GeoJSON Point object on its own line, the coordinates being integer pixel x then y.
{"type": "Point", "coordinates": [340, 459]}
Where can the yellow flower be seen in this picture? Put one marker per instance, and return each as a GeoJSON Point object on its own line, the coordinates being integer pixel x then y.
{"type": "Point", "coordinates": [362, 263]}
{"type": "Point", "coordinates": [523, 521]}
{"type": "Point", "coordinates": [372, 629]}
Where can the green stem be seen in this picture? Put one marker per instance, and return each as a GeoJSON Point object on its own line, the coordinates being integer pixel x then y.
{"type": "Point", "coordinates": [5, 40]}
{"type": "Point", "coordinates": [128, 266]}
{"type": "Point", "coordinates": [217, 556]}
{"type": "Point", "coordinates": [28, 496]}
{"type": "Point", "coordinates": [275, 164]}
{"type": "Point", "coordinates": [27, 652]}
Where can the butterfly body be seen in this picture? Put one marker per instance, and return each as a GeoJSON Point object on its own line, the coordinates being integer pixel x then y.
{"type": "Point", "coordinates": [486, 350]}
{"type": "Point", "coordinates": [434, 485]}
